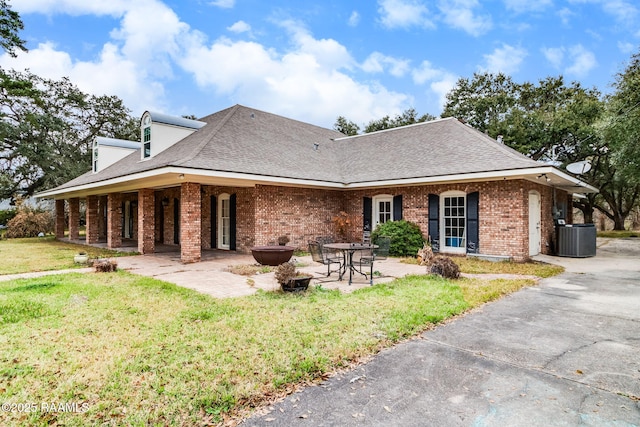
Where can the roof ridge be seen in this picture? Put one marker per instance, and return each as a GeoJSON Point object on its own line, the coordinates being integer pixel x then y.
{"type": "Point", "coordinates": [440, 119]}
{"type": "Point", "coordinates": [205, 141]}
{"type": "Point", "coordinates": [511, 152]}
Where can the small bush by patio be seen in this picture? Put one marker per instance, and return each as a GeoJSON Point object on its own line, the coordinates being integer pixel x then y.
{"type": "Point", "coordinates": [406, 237]}
{"type": "Point", "coordinates": [445, 267]}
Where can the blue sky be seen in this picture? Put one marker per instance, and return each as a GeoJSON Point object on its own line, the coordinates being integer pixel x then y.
{"type": "Point", "coordinates": [315, 60]}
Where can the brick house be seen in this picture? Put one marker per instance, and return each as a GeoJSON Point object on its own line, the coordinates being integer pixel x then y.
{"type": "Point", "coordinates": [242, 177]}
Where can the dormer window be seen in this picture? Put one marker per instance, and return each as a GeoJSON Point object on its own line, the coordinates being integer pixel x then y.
{"type": "Point", "coordinates": [146, 137]}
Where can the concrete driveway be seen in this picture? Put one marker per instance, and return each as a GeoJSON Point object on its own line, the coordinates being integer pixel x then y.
{"type": "Point", "coordinates": [566, 352]}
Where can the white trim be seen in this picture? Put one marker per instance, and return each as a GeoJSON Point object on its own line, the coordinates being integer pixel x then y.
{"type": "Point", "coordinates": [169, 176]}
{"type": "Point", "coordinates": [443, 238]}
{"type": "Point", "coordinates": [375, 207]}
{"type": "Point", "coordinates": [221, 228]}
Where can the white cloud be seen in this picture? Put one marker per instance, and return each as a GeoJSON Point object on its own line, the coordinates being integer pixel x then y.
{"type": "Point", "coordinates": [555, 55]}
{"type": "Point", "coordinates": [506, 59]}
{"type": "Point", "coordinates": [520, 6]}
{"type": "Point", "coordinates": [377, 63]}
{"type": "Point", "coordinates": [460, 14]}
{"type": "Point", "coordinates": [307, 82]}
{"type": "Point", "coordinates": [565, 14]}
{"type": "Point", "coordinates": [75, 7]}
{"type": "Point", "coordinates": [226, 4]}
{"type": "Point", "coordinates": [239, 27]}
{"type": "Point", "coordinates": [583, 61]}
{"type": "Point", "coordinates": [97, 77]}
{"type": "Point", "coordinates": [151, 47]}
{"type": "Point", "coordinates": [440, 81]}
{"type": "Point", "coordinates": [623, 11]}
{"type": "Point", "coordinates": [354, 19]}
{"type": "Point", "coordinates": [626, 48]}
{"type": "Point", "coordinates": [404, 14]}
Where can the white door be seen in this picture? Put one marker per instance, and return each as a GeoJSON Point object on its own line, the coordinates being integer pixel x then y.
{"type": "Point", "coordinates": [534, 223]}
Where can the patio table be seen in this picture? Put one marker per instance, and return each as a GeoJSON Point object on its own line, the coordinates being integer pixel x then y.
{"type": "Point", "coordinates": [348, 249]}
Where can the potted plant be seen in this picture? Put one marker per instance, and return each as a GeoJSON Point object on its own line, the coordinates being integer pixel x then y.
{"type": "Point", "coordinates": [81, 258]}
{"type": "Point", "coordinates": [291, 280]}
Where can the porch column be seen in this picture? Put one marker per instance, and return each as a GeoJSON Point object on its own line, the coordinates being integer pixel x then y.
{"type": "Point", "coordinates": [114, 220]}
{"type": "Point", "coordinates": [59, 218]}
{"type": "Point", "coordinates": [190, 222]}
{"type": "Point", "coordinates": [146, 221]}
{"type": "Point", "coordinates": [74, 218]}
{"type": "Point", "coordinates": [92, 219]}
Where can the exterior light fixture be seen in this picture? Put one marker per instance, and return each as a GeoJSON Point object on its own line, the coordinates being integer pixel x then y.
{"type": "Point", "coordinates": [181, 176]}
{"type": "Point", "coordinates": [165, 202]}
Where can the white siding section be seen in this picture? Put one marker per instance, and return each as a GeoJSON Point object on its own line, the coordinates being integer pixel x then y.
{"type": "Point", "coordinates": [164, 136]}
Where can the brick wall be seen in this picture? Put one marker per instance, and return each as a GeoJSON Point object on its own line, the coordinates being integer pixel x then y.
{"type": "Point", "coordinates": [74, 218]}
{"type": "Point", "coordinates": [190, 222]}
{"type": "Point", "coordinates": [146, 221]}
{"type": "Point", "coordinates": [299, 213]}
{"type": "Point", "coordinates": [60, 223]}
{"type": "Point", "coordinates": [114, 220]}
{"type": "Point", "coordinates": [503, 212]}
{"type": "Point", "coordinates": [93, 227]}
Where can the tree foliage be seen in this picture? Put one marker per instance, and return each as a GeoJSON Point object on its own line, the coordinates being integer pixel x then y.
{"type": "Point", "coordinates": [10, 26]}
{"type": "Point", "coordinates": [345, 126]}
{"type": "Point", "coordinates": [46, 130]}
{"type": "Point", "coordinates": [620, 131]}
{"type": "Point", "coordinates": [408, 117]}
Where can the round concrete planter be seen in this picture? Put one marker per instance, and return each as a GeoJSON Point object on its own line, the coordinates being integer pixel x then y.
{"type": "Point", "coordinates": [297, 284]}
{"type": "Point", "coordinates": [81, 258]}
{"type": "Point", "coordinates": [272, 255]}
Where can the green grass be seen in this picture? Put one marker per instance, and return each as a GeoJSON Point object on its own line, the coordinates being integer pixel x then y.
{"type": "Point", "coordinates": [138, 351]}
{"type": "Point", "coordinates": [46, 253]}
{"type": "Point", "coordinates": [618, 233]}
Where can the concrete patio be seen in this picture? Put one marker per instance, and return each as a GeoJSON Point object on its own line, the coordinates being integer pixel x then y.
{"type": "Point", "coordinates": [211, 275]}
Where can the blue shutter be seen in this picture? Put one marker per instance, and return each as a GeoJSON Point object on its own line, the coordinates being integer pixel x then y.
{"type": "Point", "coordinates": [473, 230]}
{"type": "Point", "coordinates": [434, 222]}
{"type": "Point", "coordinates": [232, 222]}
{"type": "Point", "coordinates": [214, 221]}
{"type": "Point", "coordinates": [367, 205]}
{"type": "Point", "coordinates": [397, 207]}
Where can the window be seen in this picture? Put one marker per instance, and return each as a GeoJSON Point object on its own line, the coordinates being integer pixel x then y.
{"type": "Point", "coordinates": [146, 139]}
{"type": "Point", "coordinates": [453, 217]}
{"type": "Point", "coordinates": [224, 221]}
{"type": "Point", "coordinates": [383, 209]}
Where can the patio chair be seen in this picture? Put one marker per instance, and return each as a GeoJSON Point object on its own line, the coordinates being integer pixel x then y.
{"type": "Point", "coordinates": [377, 254]}
{"type": "Point", "coordinates": [318, 255]}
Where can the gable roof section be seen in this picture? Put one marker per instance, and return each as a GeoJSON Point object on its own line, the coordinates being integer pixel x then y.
{"type": "Point", "coordinates": [437, 148]}
{"type": "Point", "coordinates": [249, 143]}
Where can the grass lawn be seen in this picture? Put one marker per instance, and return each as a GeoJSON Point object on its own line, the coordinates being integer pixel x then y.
{"type": "Point", "coordinates": [46, 253]}
{"type": "Point", "coordinates": [474, 265]}
{"type": "Point", "coordinates": [138, 351]}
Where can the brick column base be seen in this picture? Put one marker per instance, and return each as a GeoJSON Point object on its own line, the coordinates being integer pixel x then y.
{"type": "Point", "coordinates": [114, 220]}
{"type": "Point", "coordinates": [74, 218]}
{"type": "Point", "coordinates": [60, 219]}
{"type": "Point", "coordinates": [92, 219]}
{"type": "Point", "coordinates": [146, 221]}
{"type": "Point", "coordinates": [190, 223]}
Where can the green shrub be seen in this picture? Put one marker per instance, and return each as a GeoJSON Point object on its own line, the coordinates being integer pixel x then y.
{"type": "Point", "coordinates": [29, 222]}
{"type": "Point", "coordinates": [6, 215]}
{"type": "Point", "coordinates": [406, 237]}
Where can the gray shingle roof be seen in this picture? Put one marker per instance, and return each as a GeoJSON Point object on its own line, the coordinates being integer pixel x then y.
{"type": "Point", "coordinates": [248, 141]}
